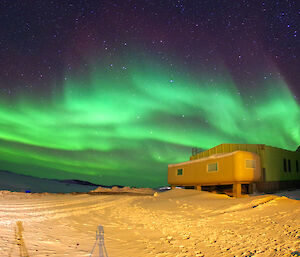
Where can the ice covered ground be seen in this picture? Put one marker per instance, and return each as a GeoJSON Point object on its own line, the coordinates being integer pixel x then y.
{"type": "Point", "coordinates": [172, 223]}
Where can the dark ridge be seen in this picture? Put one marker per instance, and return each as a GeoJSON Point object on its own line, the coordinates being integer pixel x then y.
{"type": "Point", "coordinates": [78, 182]}
{"type": "Point", "coordinates": [22, 183]}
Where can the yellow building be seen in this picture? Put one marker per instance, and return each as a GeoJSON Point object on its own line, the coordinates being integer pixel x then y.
{"type": "Point", "coordinates": [272, 168]}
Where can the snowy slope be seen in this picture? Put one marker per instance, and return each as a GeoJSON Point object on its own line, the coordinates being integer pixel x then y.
{"type": "Point", "coordinates": [21, 183]}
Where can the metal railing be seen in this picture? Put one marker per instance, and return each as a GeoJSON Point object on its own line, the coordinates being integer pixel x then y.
{"type": "Point", "coordinates": [196, 150]}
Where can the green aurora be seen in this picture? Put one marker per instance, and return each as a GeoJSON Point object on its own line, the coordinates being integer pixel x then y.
{"type": "Point", "coordinates": [124, 125]}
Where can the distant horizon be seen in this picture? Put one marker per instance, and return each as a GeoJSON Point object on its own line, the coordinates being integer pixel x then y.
{"type": "Point", "coordinates": [66, 181]}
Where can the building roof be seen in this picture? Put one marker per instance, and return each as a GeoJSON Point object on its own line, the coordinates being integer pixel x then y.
{"type": "Point", "coordinates": [214, 156]}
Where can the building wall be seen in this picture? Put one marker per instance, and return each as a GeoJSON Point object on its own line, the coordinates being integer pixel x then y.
{"type": "Point", "coordinates": [274, 164]}
{"type": "Point", "coordinates": [231, 168]}
{"type": "Point", "coordinates": [271, 160]}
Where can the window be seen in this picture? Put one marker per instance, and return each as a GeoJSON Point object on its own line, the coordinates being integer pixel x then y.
{"type": "Point", "coordinates": [297, 167]}
{"type": "Point", "coordinates": [289, 165]}
{"type": "Point", "coordinates": [212, 167]}
{"type": "Point", "coordinates": [284, 165]}
{"type": "Point", "coordinates": [179, 172]}
{"type": "Point", "coordinates": [250, 164]}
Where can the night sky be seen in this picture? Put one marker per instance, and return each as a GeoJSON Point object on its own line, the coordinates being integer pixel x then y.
{"type": "Point", "coordinates": [113, 91]}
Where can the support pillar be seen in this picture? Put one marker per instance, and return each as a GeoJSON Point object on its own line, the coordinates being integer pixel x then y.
{"type": "Point", "coordinates": [254, 189]}
{"type": "Point", "coordinates": [198, 187]}
{"type": "Point", "coordinates": [250, 188]}
{"type": "Point", "coordinates": [173, 187]}
{"type": "Point", "coordinates": [237, 190]}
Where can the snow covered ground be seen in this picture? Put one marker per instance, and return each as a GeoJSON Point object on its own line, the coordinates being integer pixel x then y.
{"type": "Point", "coordinates": [173, 223]}
{"type": "Point", "coordinates": [294, 194]}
